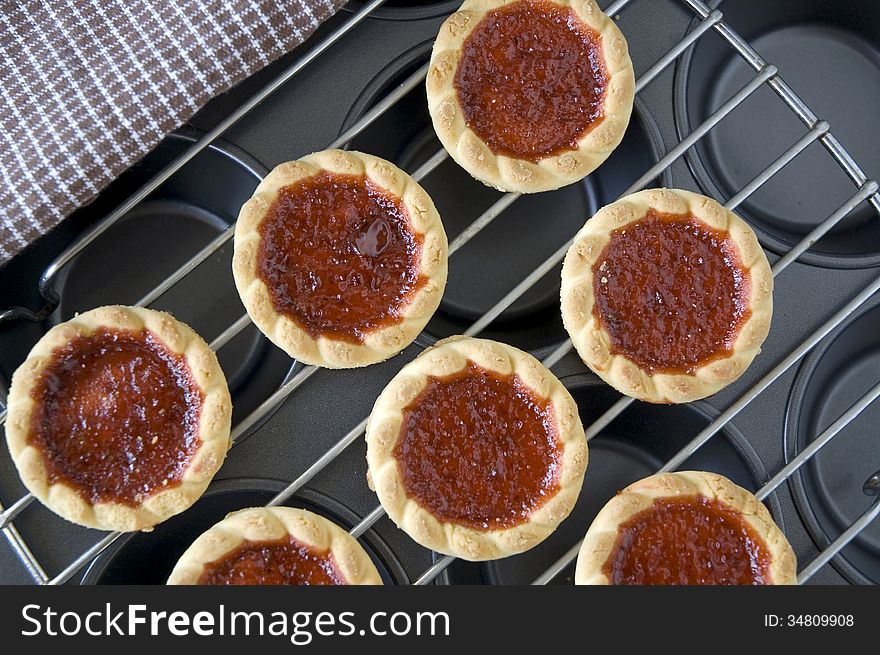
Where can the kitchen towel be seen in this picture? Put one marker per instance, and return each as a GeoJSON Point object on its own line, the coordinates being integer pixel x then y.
{"type": "Point", "coordinates": [88, 87]}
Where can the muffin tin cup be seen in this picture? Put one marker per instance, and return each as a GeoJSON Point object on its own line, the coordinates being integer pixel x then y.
{"type": "Point", "coordinates": [811, 42]}
{"type": "Point", "coordinates": [513, 245]}
{"type": "Point", "coordinates": [634, 446]}
{"type": "Point", "coordinates": [828, 490]}
{"type": "Point", "coordinates": [149, 557]}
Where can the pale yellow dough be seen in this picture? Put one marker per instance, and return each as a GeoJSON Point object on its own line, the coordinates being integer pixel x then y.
{"type": "Point", "coordinates": [214, 421]}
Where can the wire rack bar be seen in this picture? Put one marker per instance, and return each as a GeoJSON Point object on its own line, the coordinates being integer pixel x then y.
{"type": "Point", "coordinates": [556, 356]}
{"type": "Point", "coordinates": [559, 565]}
{"type": "Point", "coordinates": [24, 554]}
{"type": "Point", "coordinates": [434, 570]}
{"type": "Point", "coordinates": [271, 403]}
{"type": "Point", "coordinates": [485, 218]}
{"type": "Point", "coordinates": [230, 333]}
{"type": "Point", "coordinates": [615, 7]}
{"type": "Point", "coordinates": [867, 190]}
{"type": "Point", "coordinates": [428, 167]}
{"type": "Point", "coordinates": [84, 558]}
{"type": "Point", "coordinates": [379, 109]}
{"type": "Point", "coordinates": [690, 38]}
{"type": "Point", "coordinates": [7, 515]}
{"type": "Point", "coordinates": [367, 522]}
{"type": "Point", "coordinates": [188, 267]}
{"type": "Point", "coordinates": [608, 416]}
{"type": "Point", "coordinates": [13, 510]}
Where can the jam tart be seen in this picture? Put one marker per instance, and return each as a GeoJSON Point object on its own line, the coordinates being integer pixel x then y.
{"type": "Point", "coordinates": [530, 95]}
{"type": "Point", "coordinates": [476, 450]}
{"type": "Point", "coordinates": [119, 418]}
{"type": "Point", "coordinates": [667, 295]}
{"type": "Point", "coordinates": [340, 258]}
{"type": "Point", "coordinates": [275, 546]}
{"type": "Point", "coordinates": [685, 528]}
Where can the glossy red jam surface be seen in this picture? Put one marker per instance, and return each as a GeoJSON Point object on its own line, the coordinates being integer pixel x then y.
{"type": "Point", "coordinates": [479, 449]}
{"type": "Point", "coordinates": [531, 80]}
{"type": "Point", "coordinates": [284, 561]}
{"type": "Point", "coordinates": [671, 293]}
{"type": "Point", "coordinates": [338, 256]}
{"type": "Point", "coordinates": [688, 540]}
{"type": "Point", "coordinates": [116, 416]}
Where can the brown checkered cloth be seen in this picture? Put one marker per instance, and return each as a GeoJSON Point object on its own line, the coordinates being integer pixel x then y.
{"type": "Point", "coordinates": [88, 87]}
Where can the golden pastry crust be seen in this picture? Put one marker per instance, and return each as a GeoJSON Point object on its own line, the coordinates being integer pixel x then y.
{"type": "Point", "coordinates": [214, 421]}
{"type": "Point", "coordinates": [271, 523]}
{"type": "Point", "coordinates": [593, 342]}
{"type": "Point", "coordinates": [602, 535]}
{"type": "Point", "coordinates": [381, 343]}
{"type": "Point", "coordinates": [514, 174]}
{"type": "Point", "coordinates": [384, 431]}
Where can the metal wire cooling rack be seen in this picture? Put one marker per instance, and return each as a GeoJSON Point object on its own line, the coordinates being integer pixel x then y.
{"type": "Point", "coordinates": [765, 73]}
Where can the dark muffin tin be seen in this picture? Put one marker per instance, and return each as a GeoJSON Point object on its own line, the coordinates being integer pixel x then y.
{"type": "Point", "coordinates": [330, 95]}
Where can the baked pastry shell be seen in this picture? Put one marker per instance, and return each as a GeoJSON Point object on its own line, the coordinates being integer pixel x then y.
{"type": "Point", "coordinates": [270, 523]}
{"type": "Point", "coordinates": [381, 343]}
{"type": "Point", "coordinates": [592, 341]}
{"type": "Point", "coordinates": [521, 175]}
{"type": "Point", "coordinates": [213, 429]}
{"type": "Point", "coordinates": [602, 535]}
{"type": "Point", "coordinates": [384, 431]}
